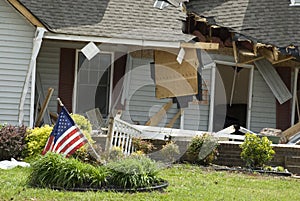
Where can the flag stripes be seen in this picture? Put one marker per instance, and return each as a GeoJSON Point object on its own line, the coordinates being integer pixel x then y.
{"type": "Point", "coordinates": [65, 137]}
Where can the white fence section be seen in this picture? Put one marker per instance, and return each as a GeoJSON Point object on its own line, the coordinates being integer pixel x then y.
{"type": "Point", "coordinates": [120, 134]}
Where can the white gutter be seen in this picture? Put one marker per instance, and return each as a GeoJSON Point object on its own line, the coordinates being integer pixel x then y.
{"type": "Point", "coordinates": [294, 96]}
{"type": "Point", "coordinates": [37, 41]}
{"type": "Point", "coordinates": [137, 42]}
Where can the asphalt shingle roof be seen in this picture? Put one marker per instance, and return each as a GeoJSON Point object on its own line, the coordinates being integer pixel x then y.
{"type": "Point", "coordinates": [271, 22]}
{"type": "Point", "coordinates": [126, 19]}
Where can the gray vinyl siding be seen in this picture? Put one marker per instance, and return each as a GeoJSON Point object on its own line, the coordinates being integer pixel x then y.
{"type": "Point", "coordinates": [196, 116]}
{"type": "Point", "coordinates": [142, 103]}
{"type": "Point", "coordinates": [263, 113]}
{"type": "Point", "coordinates": [16, 37]}
{"type": "Point", "coordinates": [48, 63]}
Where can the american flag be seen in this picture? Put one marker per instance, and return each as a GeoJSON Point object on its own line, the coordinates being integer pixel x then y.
{"type": "Point", "coordinates": [65, 137]}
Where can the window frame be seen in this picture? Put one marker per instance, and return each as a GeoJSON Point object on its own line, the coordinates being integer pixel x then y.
{"type": "Point", "coordinates": [75, 92]}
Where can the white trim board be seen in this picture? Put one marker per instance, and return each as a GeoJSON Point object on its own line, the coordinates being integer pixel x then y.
{"type": "Point", "coordinates": [143, 43]}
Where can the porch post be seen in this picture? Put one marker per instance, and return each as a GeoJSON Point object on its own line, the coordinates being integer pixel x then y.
{"type": "Point", "coordinates": [250, 98]}
{"type": "Point", "coordinates": [212, 98]}
{"type": "Point", "coordinates": [37, 41]}
{"type": "Point", "coordinates": [294, 96]}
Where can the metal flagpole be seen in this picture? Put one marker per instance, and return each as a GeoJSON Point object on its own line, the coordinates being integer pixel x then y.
{"type": "Point", "coordinates": [97, 155]}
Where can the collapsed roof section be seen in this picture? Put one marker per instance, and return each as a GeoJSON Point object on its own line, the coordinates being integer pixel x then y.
{"type": "Point", "coordinates": [127, 19]}
{"type": "Point", "coordinates": [271, 23]}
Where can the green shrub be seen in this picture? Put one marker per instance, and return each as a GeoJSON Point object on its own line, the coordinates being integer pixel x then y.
{"type": "Point", "coordinates": [203, 149]}
{"type": "Point", "coordinates": [170, 151]}
{"type": "Point", "coordinates": [144, 146]}
{"type": "Point", "coordinates": [36, 140]}
{"type": "Point", "coordinates": [54, 170]}
{"type": "Point", "coordinates": [83, 123]}
{"type": "Point", "coordinates": [86, 127]}
{"type": "Point", "coordinates": [133, 172]}
{"type": "Point", "coordinates": [12, 141]}
{"type": "Point", "coordinates": [256, 151]}
{"type": "Point", "coordinates": [280, 169]}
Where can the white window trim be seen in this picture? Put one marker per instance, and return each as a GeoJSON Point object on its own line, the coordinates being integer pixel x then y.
{"type": "Point", "coordinates": [295, 3]}
{"type": "Point", "coordinates": [213, 67]}
{"type": "Point", "coordinates": [76, 76]}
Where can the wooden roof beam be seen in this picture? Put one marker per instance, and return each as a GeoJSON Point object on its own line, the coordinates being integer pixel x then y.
{"type": "Point", "coordinates": [283, 60]}
{"type": "Point", "coordinates": [25, 12]}
{"type": "Point", "coordinates": [201, 45]}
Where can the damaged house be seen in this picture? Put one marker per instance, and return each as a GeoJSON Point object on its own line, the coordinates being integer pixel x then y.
{"type": "Point", "coordinates": [257, 63]}
{"type": "Point", "coordinates": [194, 65]}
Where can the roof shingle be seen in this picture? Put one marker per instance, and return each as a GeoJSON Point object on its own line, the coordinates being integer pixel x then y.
{"type": "Point", "coordinates": [271, 22]}
{"type": "Point", "coordinates": [129, 19]}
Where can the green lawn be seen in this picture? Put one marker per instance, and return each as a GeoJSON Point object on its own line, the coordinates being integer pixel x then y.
{"type": "Point", "coordinates": [185, 183]}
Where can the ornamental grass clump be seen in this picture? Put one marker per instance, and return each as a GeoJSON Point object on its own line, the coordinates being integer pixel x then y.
{"type": "Point", "coordinates": [56, 171]}
{"type": "Point", "coordinates": [134, 172]}
{"type": "Point", "coordinates": [256, 151]}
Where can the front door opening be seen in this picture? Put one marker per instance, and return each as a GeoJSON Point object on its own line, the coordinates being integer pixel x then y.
{"type": "Point", "coordinates": [233, 83]}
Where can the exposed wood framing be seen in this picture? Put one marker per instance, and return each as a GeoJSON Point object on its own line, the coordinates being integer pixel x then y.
{"type": "Point", "coordinates": [283, 60]}
{"type": "Point", "coordinates": [268, 54]}
{"type": "Point", "coordinates": [235, 53]}
{"type": "Point", "coordinates": [32, 19]}
{"type": "Point", "coordinates": [246, 53]}
{"type": "Point", "coordinates": [275, 54]}
{"type": "Point", "coordinates": [252, 60]}
{"type": "Point", "coordinates": [201, 45]}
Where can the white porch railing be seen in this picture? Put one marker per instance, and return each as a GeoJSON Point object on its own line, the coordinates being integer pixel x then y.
{"type": "Point", "coordinates": [120, 134]}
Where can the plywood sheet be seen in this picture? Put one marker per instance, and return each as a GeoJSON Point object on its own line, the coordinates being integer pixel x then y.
{"type": "Point", "coordinates": [173, 79]}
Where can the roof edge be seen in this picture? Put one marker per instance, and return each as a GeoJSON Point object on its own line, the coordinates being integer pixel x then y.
{"type": "Point", "coordinates": [138, 42]}
{"type": "Point", "coordinates": [26, 13]}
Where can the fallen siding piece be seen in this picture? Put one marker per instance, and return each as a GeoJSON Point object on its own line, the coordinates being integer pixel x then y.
{"type": "Point", "coordinates": [273, 80]}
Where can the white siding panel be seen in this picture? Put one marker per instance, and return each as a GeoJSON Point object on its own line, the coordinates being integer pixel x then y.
{"type": "Point", "coordinates": [48, 70]}
{"type": "Point", "coordinates": [16, 38]}
{"type": "Point", "coordinates": [263, 105]}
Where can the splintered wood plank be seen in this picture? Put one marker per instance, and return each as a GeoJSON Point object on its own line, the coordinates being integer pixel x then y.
{"type": "Point", "coordinates": [173, 79]}
{"type": "Point", "coordinates": [155, 119]}
{"type": "Point", "coordinates": [173, 120]}
{"type": "Point", "coordinates": [201, 45]}
{"type": "Point", "coordinates": [44, 107]}
{"type": "Point", "coordinates": [291, 131]}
